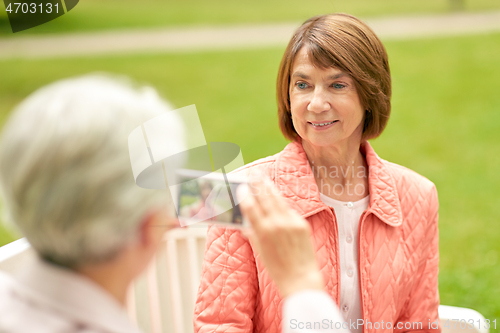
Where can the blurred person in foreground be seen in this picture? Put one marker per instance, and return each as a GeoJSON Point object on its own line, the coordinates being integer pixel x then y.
{"type": "Point", "coordinates": [67, 184]}
{"type": "Point", "coordinates": [374, 224]}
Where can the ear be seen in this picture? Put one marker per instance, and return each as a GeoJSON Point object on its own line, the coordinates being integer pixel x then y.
{"type": "Point", "coordinates": [153, 227]}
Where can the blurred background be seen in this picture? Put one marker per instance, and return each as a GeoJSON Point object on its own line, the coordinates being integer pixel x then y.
{"type": "Point", "coordinates": [445, 119]}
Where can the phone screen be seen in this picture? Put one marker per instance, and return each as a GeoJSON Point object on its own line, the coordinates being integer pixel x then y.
{"type": "Point", "coordinates": [209, 199]}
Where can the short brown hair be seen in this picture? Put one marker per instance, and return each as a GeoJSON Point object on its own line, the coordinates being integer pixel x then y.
{"type": "Point", "coordinates": [344, 42]}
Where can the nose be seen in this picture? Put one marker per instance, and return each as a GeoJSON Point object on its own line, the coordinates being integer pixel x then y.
{"type": "Point", "coordinates": [319, 101]}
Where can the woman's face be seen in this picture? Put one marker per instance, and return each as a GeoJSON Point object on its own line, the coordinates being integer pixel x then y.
{"type": "Point", "coordinates": [325, 106]}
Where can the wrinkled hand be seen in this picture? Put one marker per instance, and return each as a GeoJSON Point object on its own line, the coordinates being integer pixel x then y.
{"type": "Point", "coordinates": [282, 239]}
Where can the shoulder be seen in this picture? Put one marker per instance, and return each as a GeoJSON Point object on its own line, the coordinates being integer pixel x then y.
{"type": "Point", "coordinates": [405, 178]}
{"type": "Point", "coordinates": [261, 163]}
{"type": "Point", "coordinates": [8, 288]}
{"type": "Point", "coordinates": [290, 158]}
{"type": "Point", "coordinates": [262, 166]}
{"type": "Point", "coordinates": [18, 303]}
{"type": "Point", "coordinates": [394, 175]}
{"type": "Point", "coordinates": [413, 188]}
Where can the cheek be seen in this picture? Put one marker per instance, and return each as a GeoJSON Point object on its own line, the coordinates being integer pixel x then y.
{"type": "Point", "coordinates": [297, 113]}
{"type": "Point", "coordinates": [351, 110]}
{"type": "Point", "coordinates": [298, 104]}
{"type": "Point", "coordinates": [293, 105]}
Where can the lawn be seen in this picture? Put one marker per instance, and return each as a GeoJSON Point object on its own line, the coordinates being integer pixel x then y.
{"type": "Point", "coordinates": [444, 125]}
{"type": "Point", "coordinates": [94, 15]}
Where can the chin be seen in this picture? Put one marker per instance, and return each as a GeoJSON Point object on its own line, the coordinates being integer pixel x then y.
{"type": "Point", "coordinates": [321, 142]}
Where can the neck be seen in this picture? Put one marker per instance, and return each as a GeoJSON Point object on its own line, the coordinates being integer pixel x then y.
{"type": "Point", "coordinates": [340, 171]}
{"type": "Point", "coordinates": [110, 277]}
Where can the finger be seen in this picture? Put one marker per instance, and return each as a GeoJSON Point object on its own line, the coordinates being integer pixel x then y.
{"type": "Point", "coordinates": [254, 242]}
{"type": "Point", "coordinates": [242, 191]}
{"type": "Point", "coordinates": [251, 210]}
{"type": "Point", "coordinates": [247, 232]}
{"type": "Point", "coordinates": [275, 196]}
{"type": "Point", "coordinates": [262, 192]}
{"type": "Point", "coordinates": [256, 188]}
{"type": "Point", "coordinates": [270, 198]}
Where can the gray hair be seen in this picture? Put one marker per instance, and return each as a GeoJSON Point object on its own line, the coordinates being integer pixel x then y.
{"type": "Point", "coordinates": [65, 171]}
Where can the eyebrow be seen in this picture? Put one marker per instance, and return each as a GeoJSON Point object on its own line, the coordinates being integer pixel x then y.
{"type": "Point", "coordinates": [331, 77]}
{"type": "Point", "coordinates": [339, 75]}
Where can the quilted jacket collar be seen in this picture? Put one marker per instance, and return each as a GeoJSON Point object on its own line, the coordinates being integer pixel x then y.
{"type": "Point", "coordinates": [294, 178]}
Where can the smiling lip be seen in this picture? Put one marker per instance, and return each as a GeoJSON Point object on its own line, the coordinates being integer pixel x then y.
{"type": "Point", "coordinates": [320, 125]}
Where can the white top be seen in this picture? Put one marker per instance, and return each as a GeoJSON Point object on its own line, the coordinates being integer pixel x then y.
{"type": "Point", "coordinates": [348, 215]}
{"type": "Point", "coordinates": [47, 298]}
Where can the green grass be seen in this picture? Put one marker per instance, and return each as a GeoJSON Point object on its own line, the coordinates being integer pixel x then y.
{"type": "Point", "coordinates": [444, 125]}
{"type": "Point", "coordinates": [94, 15]}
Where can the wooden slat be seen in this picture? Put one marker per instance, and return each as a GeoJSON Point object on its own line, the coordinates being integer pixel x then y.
{"type": "Point", "coordinates": [153, 296]}
{"type": "Point", "coordinates": [175, 292]}
{"type": "Point", "coordinates": [193, 265]}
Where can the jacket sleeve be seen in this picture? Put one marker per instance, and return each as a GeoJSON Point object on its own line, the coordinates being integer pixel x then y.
{"type": "Point", "coordinates": [228, 287]}
{"type": "Point", "coordinates": [420, 313]}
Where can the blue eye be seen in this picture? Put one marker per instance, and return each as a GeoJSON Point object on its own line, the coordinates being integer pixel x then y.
{"type": "Point", "coordinates": [339, 86]}
{"type": "Point", "coordinates": [301, 85]}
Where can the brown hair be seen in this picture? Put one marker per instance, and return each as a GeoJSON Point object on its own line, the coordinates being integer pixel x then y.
{"type": "Point", "coordinates": [344, 42]}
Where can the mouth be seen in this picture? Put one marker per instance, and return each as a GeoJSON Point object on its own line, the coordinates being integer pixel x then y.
{"type": "Point", "coordinates": [318, 124]}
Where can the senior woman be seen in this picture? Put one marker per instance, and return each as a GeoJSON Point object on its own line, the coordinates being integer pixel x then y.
{"type": "Point", "coordinates": [374, 223]}
{"type": "Point", "coordinates": [67, 184]}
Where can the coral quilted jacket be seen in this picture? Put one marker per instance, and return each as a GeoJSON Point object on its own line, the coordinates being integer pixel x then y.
{"type": "Point", "coordinates": [398, 252]}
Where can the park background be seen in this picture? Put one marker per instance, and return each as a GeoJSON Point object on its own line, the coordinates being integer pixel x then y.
{"type": "Point", "coordinates": [444, 124]}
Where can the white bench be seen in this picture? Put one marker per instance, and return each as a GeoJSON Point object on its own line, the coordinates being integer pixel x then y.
{"type": "Point", "coordinates": [162, 300]}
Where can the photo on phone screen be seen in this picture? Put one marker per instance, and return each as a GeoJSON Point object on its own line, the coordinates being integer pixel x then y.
{"type": "Point", "coordinates": [208, 199]}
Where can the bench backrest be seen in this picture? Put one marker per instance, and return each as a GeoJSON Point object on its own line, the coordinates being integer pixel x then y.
{"type": "Point", "coordinates": [162, 300]}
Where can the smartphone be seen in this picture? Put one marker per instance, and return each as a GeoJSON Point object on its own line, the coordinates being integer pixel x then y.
{"type": "Point", "coordinates": [210, 198]}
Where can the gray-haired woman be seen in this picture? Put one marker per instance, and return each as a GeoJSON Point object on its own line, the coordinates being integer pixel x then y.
{"type": "Point", "coordinates": [67, 183]}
